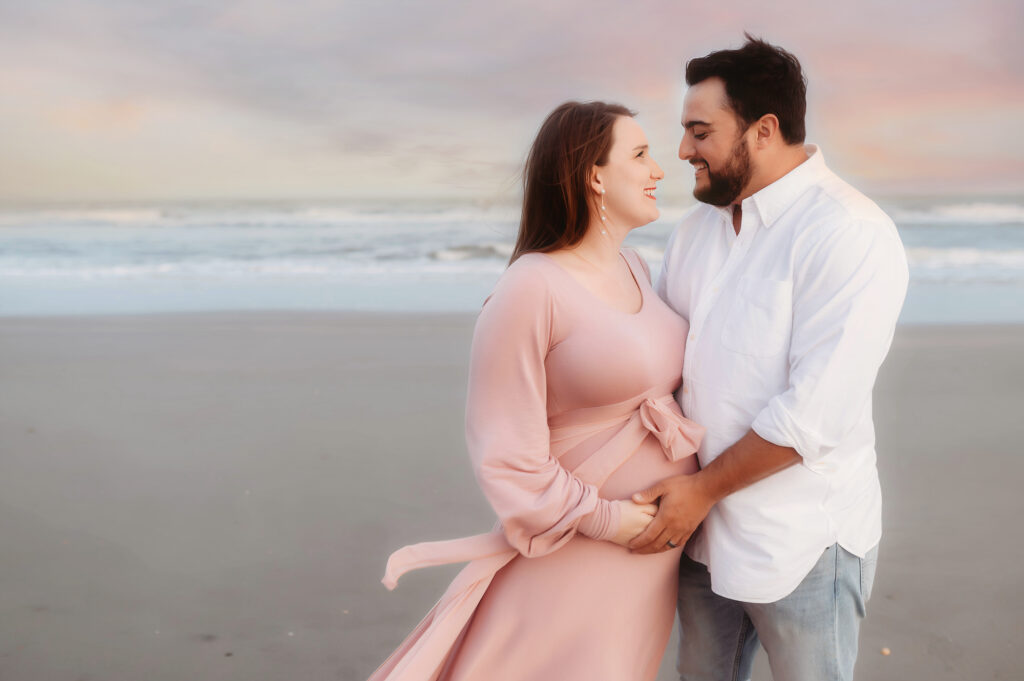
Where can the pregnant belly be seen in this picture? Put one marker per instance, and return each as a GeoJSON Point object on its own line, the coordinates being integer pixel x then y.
{"type": "Point", "coordinates": [646, 466]}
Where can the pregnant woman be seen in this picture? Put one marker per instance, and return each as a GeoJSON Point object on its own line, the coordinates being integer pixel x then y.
{"type": "Point", "coordinates": [569, 413]}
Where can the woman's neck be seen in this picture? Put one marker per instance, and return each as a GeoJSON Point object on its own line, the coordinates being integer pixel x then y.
{"type": "Point", "coordinates": [601, 244]}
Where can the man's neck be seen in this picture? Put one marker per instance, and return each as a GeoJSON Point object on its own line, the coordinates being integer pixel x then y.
{"type": "Point", "coordinates": [780, 164]}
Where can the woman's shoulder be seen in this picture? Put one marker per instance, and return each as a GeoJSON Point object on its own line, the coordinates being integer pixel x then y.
{"type": "Point", "coordinates": [527, 280]}
{"type": "Point", "coordinates": [524, 301]}
{"type": "Point", "coordinates": [530, 272]}
{"type": "Point", "coordinates": [533, 261]}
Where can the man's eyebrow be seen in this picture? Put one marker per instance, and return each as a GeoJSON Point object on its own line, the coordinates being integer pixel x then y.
{"type": "Point", "coordinates": [692, 124]}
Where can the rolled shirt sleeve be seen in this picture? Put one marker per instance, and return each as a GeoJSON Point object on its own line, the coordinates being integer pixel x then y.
{"type": "Point", "coordinates": [848, 290]}
{"type": "Point", "coordinates": [539, 503]}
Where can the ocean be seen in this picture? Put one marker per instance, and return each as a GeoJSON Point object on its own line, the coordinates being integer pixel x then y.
{"type": "Point", "coordinates": [966, 257]}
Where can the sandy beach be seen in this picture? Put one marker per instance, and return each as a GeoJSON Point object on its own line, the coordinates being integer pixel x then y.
{"type": "Point", "coordinates": [213, 496]}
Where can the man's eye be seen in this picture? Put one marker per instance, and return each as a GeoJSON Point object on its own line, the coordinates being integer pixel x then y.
{"type": "Point", "coordinates": [700, 135]}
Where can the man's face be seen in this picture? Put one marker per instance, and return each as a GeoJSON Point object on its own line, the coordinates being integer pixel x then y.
{"type": "Point", "coordinates": [715, 144]}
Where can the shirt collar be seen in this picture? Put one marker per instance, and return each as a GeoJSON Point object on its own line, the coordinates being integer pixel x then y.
{"type": "Point", "coordinates": [772, 201]}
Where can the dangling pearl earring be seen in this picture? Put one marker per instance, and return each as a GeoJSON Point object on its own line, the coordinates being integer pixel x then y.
{"type": "Point", "coordinates": [604, 218]}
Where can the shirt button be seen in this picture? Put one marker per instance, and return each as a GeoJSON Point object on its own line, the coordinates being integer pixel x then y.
{"type": "Point", "coordinates": [686, 391]}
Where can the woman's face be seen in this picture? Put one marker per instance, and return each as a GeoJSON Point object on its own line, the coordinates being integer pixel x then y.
{"type": "Point", "coordinates": [629, 177]}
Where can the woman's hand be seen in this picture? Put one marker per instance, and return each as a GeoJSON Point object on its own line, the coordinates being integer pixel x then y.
{"type": "Point", "coordinates": [633, 519]}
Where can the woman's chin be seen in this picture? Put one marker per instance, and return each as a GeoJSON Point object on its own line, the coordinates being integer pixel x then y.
{"type": "Point", "coordinates": [647, 218]}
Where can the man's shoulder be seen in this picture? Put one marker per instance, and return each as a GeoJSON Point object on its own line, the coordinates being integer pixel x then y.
{"type": "Point", "coordinates": [835, 203]}
{"type": "Point", "coordinates": [836, 217]}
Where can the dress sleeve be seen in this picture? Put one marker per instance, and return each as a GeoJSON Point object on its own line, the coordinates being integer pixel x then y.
{"type": "Point", "coordinates": [540, 504]}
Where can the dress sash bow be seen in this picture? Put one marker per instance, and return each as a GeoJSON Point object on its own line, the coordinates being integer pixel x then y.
{"type": "Point", "coordinates": [679, 436]}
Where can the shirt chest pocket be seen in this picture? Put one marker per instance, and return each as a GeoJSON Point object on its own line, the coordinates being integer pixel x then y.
{"type": "Point", "coordinates": [759, 321]}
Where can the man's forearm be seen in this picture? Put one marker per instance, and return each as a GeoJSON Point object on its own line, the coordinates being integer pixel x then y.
{"type": "Point", "coordinates": [685, 500]}
{"type": "Point", "coordinates": [752, 458]}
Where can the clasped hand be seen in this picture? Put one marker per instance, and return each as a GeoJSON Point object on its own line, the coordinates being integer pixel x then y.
{"type": "Point", "coordinates": [682, 507]}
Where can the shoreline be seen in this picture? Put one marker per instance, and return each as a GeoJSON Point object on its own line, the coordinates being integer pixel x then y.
{"type": "Point", "coordinates": [358, 315]}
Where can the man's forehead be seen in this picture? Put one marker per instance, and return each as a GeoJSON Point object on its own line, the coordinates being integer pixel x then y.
{"type": "Point", "coordinates": [705, 101]}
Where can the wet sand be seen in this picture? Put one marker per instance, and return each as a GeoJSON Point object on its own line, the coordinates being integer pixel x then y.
{"type": "Point", "coordinates": [213, 496]}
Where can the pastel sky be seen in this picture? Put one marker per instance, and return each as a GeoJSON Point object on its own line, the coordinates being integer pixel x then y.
{"type": "Point", "coordinates": [310, 99]}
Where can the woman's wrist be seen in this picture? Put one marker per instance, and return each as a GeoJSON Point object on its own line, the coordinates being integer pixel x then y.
{"type": "Point", "coordinates": [603, 523]}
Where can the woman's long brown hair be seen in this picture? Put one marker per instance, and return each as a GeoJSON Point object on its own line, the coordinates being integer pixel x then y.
{"type": "Point", "coordinates": [556, 212]}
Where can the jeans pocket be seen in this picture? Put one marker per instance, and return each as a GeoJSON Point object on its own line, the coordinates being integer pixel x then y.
{"type": "Point", "coordinates": [867, 573]}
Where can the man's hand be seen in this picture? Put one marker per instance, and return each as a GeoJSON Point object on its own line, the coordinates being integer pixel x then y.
{"type": "Point", "coordinates": [687, 499]}
{"type": "Point", "coordinates": [685, 502]}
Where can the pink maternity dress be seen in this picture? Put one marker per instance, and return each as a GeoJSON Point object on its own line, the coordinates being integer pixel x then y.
{"type": "Point", "coordinates": [569, 407]}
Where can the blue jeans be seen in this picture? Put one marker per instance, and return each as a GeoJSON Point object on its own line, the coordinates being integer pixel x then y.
{"type": "Point", "coordinates": [810, 635]}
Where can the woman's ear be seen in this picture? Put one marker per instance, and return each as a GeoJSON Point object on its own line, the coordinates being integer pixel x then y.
{"type": "Point", "coordinates": [595, 181]}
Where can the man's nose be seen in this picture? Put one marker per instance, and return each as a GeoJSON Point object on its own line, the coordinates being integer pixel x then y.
{"type": "Point", "coordinates": [686, 150]}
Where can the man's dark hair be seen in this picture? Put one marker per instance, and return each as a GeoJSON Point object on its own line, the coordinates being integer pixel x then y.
{"type": "Point", "coordinates": [760, 79]}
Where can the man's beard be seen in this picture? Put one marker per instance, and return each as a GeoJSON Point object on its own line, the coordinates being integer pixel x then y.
{"type": "Point", "coordinates": [724, 186]}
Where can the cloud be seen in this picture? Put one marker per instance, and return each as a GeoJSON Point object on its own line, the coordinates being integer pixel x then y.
{"type": "Point", "coordinates": [421, 89]}
{"type": "Point", "coordinates": [112, 115]}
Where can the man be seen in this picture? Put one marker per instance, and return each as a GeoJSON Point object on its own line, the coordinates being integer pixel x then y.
{"type": "Point", "coordinates": [791, 282]}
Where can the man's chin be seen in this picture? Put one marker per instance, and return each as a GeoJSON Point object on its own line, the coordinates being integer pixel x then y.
{"type": "Point", "coordinates": [712, 198]}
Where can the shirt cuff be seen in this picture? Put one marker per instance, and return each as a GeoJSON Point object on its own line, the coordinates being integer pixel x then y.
{"type": "Point", "coordinates": [603, 523]}
{"type": "Point", "coordinates": [776, 425]}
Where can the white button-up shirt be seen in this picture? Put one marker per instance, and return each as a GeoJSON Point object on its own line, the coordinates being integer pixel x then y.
{"type": "Point", "coordinates": [789, 323]}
